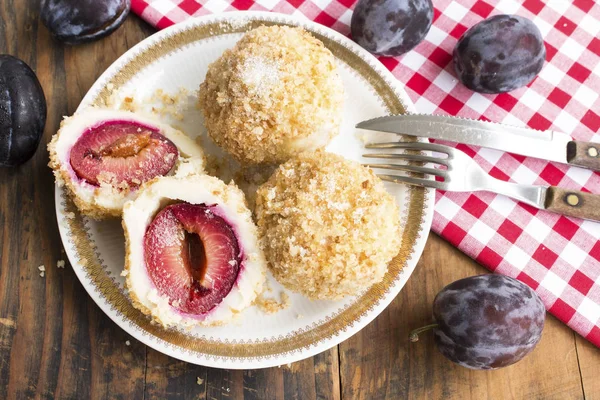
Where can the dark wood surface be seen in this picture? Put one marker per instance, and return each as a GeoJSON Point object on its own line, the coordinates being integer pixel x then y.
{"type": "Point", "coordinates": [56, 343]}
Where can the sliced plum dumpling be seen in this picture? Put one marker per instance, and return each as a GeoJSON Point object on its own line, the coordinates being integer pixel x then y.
{"type": "Point", "coordinates": [192, 251]}
{"type": "Point", "coordinates": [104, 156]}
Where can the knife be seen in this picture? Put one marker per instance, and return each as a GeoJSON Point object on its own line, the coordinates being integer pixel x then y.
{"type": "Point", "coordinates": [547, 145]}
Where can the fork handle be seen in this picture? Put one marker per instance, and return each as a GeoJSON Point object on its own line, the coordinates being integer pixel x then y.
{"type": "Point", "coordinates": [573, 203]}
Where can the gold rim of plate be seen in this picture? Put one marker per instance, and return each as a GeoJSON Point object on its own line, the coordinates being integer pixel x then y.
{"type": "Point", "coordinates": [296, 341]}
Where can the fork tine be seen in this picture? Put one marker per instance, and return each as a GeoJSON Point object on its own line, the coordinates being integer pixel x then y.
{"type": "Point", "coordinates": [409, 157]}
{"type": "Point", "coordinates": [440, 148]}
{"type": "Point", "coordinates": [414, 181]}
{"type": "Point", "coordinates": [410, 168]}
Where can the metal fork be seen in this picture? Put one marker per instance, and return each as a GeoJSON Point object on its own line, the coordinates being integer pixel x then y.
{"type": "Point", "coordinates": [463, 174]}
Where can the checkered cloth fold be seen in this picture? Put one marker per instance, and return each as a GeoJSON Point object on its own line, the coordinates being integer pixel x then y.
{"type": "Point", "coordinates": [557, 256]}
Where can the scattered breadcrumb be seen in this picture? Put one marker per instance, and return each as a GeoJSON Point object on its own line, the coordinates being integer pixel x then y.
{"type": "Point", "coordinates": [159, 103]}
{"type": "Point", "coordinates": [363, 137]}
{"type": "Point", "coordinates": [169, 104]}
{"type": "Point", "coordinates": [299, 316]}
{"type": "Point", "coordinates": [285, 299]}
{"type": "Point", "coordinates": [267, 287]}
{"type": "Point", "coordinates": [163, 104]}
{"type": "Point", "coordinates": [127, 343]}
{"type": "Point", "coordinates": [234, 23]}
{"type": "Point", "coordinates": [270, 305]}
{"type": "Point", "coordinates": [129, 104]}
{"type": "Point", "coordinates": [60, 264]}
{"type": "Point", "coordinates": [199, 381]}
{"type": "Point", "coordinates": [42, 268]}
{"type": "Point", "coordinates": [59, 181]}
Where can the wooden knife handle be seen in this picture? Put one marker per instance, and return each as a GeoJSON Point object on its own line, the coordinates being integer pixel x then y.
{"type": "Point", "coordinates": [573, 203]}
{"type": "Point", "coordinates": [584, 154]}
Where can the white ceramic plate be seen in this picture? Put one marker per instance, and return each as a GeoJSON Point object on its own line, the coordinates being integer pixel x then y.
{"type": "Point", "coordinates": [179, 57]}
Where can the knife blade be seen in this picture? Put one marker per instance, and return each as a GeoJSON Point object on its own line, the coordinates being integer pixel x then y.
{"type": "Point", "coordinates": [547, 145]}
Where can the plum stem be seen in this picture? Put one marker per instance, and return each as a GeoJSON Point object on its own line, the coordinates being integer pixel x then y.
{"type": "Point", "coordinates": [414, 335]}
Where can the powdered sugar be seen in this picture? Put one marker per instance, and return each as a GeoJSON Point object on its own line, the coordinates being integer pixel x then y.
{"type": "Point", "coordinates": [260, 75]}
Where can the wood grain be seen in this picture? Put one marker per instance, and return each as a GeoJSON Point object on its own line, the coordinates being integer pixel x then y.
{"type": "Point", "coordinates": [573, 203]}
{"type": "Point", "coordinates": [55, 343]}
{"type": "Point", "coordinates": [589, 365]}
{"type": "Point", "coordinates": [168, 378]}
{"type": "Point", "coordinates": [584, 154]}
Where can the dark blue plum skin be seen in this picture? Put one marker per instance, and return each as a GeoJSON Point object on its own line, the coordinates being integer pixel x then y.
{"type": "Point", "coordinates": [81, 21]}
{"type": "Point", "coordinates": [22, 111]}
{"type": "Point", "coordinates": [499, 54]}
{"type": "Point", "coordinates": [391, 27]}
{"type": "Point", "coordinates": [487, 321]}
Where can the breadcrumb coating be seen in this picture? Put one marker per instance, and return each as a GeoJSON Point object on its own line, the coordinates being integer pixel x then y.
{"type": "Point", "coordinates": [275, 94]}
{"type": "Point", "coordinates": [327, 225]}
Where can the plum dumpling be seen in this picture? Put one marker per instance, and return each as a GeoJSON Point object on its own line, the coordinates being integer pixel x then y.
{"type": "Point", "coordinates": [104, 156]}
{"type": "Point", "coordinates": [192, 253]}
{"type": "Point", "coordinates": [328, 226]}
{"type": "Point", "coordinates": [276, 93]}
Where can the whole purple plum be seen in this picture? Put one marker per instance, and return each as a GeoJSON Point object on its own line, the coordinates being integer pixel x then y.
{"type": "Point", "coordinates": [80, 21]}
{"type": "Point", "coordinates": [486, 321]}
{"type": "Point", "coordinates": [391, 27]}
{"type": "Point", "coordinates": [499, 54]}
{"type": "Point", "coordinates": [22, 111]}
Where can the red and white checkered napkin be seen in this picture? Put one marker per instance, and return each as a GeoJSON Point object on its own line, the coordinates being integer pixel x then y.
{"type": "Point", "coordinates": [557, 256]}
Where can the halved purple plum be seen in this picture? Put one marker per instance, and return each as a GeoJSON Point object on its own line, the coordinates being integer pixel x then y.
{"type": "Point", "coordinates": [192, 256]}
{"type": "Point", "coordinates": [122, 153]}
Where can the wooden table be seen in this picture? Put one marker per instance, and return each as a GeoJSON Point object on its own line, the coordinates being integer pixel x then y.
{"type": "Point", "coordinates": [56, 343]}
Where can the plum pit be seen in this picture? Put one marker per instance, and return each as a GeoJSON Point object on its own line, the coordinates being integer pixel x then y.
{"type": "Point", "coordinates": [196, 256]}
{"type": "Point", "coordinates": [127, 146]}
